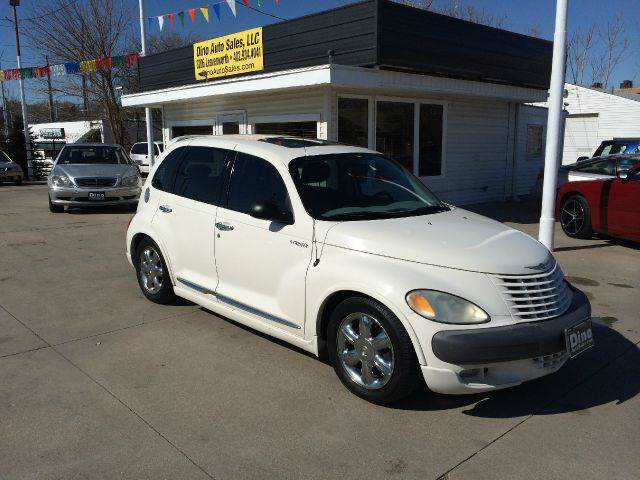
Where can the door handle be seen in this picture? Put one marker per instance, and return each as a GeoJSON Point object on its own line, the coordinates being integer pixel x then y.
{"type": "Point", "coordinates": [165, 208]}
{"type": "Point", "coordinates": [224, 226]}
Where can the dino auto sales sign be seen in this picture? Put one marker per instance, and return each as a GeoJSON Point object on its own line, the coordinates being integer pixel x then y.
{"type": "Point", "coordinates": [240, 52]}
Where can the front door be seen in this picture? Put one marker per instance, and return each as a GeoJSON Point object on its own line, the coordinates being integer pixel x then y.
{"type": "Point", "coordinates": [186, 216]}
{"type": "Point", "coordinates": [623, 206]}
{"type": "Point", "coordinates": [262, 264]}
{"type": "Point", "coordinates": [229, 123]}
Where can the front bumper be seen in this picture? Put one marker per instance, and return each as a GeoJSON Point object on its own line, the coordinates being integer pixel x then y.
{"type": "Point", "coordinates": [79, 197]}
{"type": "Point", "coordinates": [11, 176]}
{"type": "Point", "coordinates": [484, 359]}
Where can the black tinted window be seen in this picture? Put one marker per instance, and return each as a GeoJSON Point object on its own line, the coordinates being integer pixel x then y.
{"type": "Point", "coordinates": [165, 174]}
{"type": "Point", "coordinates": [139, 149]}
{"type": "Point", "coordinates": [601, 167]}
{"type": "Point", "coordinates": [256, 181]}
{"type": "Point", "coordinates": [200, 174]}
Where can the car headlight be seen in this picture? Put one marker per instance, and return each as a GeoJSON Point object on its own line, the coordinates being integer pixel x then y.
{"type": "Point", "coordinates": [61, 181]}
{"type": "Point", "coordinates": [445, 308]}
{"type": "Point", "coordinates": [131, 181]}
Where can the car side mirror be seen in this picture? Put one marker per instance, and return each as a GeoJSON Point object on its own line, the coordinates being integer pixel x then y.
{"type": "Point", "coordinates": [623, 175]}
{"type": "Point", "coordinates": [582, 159]}
{"type": "Point", "coordinates": [268, 210]}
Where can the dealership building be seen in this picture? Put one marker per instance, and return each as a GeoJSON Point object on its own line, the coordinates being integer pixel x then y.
{"type": "Point", "coordinates": [443, 96]}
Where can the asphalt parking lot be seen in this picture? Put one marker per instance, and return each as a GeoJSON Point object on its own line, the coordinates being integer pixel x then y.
{"type": "Point", "coordinates": [97, 382]}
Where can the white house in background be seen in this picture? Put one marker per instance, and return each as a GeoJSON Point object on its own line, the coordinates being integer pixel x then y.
{"type": "Point", "coordinates": [442, 96]}
{"type": "Point", "coordinates": [595, 115]}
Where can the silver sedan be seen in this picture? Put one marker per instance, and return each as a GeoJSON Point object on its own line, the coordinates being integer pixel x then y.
{"type": "Point", "coordinates": [93, 174]}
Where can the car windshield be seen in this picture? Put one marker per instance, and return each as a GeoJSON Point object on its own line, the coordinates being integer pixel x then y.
{"type": "Point", "coordinates": [4, 158]}
{"type": "Point", "coordinates": [92, 155]}
{"type": "Point", "coordinates": [360, 186]}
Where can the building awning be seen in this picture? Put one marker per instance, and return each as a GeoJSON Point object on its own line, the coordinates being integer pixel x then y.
{"type": "Point", "coordinates": [339, 76]}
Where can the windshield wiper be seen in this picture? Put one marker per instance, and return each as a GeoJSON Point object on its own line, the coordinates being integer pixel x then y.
{"type": "Point", "coordinates": [356, 216]}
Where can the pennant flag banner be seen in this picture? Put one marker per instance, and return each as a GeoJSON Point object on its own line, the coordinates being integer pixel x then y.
{"type": "Point", "coordinates": [70, 68]}
{"type": "Point", "coordinates": [204, 11]}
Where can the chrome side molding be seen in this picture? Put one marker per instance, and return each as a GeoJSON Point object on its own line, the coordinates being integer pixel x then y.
{"type": "Point", "coordinates": [237, 304]}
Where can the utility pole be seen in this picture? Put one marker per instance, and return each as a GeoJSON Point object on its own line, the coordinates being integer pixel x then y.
{"type": "Point", "coordinates": [85, 100]}
{"type": "Point", "coordinates": [555, 128]}
{"type": "Point", "coordinates": [147, 110]}
{"type": "Point", "coordinates": [5, 112]}
{"type": "Point", "coordinates": [52, 116]}
{"type": "Point", "coordinates": [25, 121]}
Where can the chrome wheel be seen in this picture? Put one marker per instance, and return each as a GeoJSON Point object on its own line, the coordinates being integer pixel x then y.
{"type": "Point", "coordinates": [151, 271]}
{"type": "Point", "coordinates": [365, 350]}
{"type": "Point", "coordinates": [572, 217]}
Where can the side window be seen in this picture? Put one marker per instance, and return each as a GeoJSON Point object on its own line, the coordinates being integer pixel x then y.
{"type": "Point", "coordinates": [626, 163]}
{"type": "Point", "coordinates": [200, 174]}
{"type": "Point", "coordinates": [602, 167]}
{"type": "Point", "coordinates": [165, 173]}
{"type": "Point", "coordinates": [139, 149]}
{"type": "Point", "coordinates": [255, 180]}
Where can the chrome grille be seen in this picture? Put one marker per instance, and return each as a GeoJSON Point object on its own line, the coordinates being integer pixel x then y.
{"type": "Point", "coordinates": [96, 181]}
{"type": "Point", "coordinates": [535, 297]}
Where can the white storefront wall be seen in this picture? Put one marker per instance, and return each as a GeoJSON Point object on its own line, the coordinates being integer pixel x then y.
{"type": "Point", "coordinates": [478, 143]}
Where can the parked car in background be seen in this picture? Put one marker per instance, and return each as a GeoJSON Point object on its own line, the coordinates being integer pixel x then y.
{"type": "Point", "coordinates": [93, 174]}
{"type": "Point", "coordinates": [615, 147]}
{"type": "Point", "coordinates": [610, 206]}
{"type": "Point", "coordinates": [10, 171]}
{"type": "Point", "coordinates": [340, 249]}
{"type": "Point", "coordinates": [597, 168]}
{"type": "Point", "coordinates": [140, 156]}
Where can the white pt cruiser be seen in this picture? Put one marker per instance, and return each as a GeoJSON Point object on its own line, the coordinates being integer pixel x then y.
{"type": "Point", "coordinates": [342, 252]}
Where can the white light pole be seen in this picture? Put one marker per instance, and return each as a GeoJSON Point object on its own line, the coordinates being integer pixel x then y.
{"type": "Point", "coordinates": [147, 110]}
{"type": "Point", "coordinates": [25, 121]}
{"type": "Point", "coordinates": [555, 128]}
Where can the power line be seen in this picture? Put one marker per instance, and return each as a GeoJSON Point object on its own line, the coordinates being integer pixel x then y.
{"type": "Point", "coordinates": [260, 11]}
{"type": "Point", "coordinates": [46, 14]}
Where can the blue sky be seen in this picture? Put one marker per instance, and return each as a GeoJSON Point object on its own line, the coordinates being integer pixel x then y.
{"type": "Point", "coordinates": [521, 15]}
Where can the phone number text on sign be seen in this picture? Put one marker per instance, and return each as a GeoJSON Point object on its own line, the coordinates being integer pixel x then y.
{"type": "Point", "coordinates": [232, 54]}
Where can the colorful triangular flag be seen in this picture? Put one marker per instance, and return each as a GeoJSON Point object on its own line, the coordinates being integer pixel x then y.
{"type": "Point", "coordinates": [246, 3]}
{"type": "Point", "coordinates": [171, 20]}
{"type": "Point", "coordinates": [216, 10]}
{"type": "Point", "coordinates": [205, 13]}
{"type": "Point", "coordinates": [161, 22]}
{"type": "Point", "coordinates": [232, 6]}
{"type": "Point", "coordinates": [259, 3]}
{"type": "Point", "coordinates": [181, 18]}
{"type": "Point", "coordinates": [150, 22]}
{"type": "Point", "coordinates": [192, 14]}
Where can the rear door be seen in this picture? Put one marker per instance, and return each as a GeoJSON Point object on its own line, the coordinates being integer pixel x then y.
{"type": "Point", "coordinates": [186, 215]}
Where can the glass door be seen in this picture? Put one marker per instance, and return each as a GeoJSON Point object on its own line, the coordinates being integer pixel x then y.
{"type": "Point", "coordinates": [228, 123]}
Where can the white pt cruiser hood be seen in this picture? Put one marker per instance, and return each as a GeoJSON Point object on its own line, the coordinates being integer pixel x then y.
{"type": "Point", "coordinates": [456, 239]}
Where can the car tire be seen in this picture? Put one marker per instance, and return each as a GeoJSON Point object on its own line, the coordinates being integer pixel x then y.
{"type": "Point", "coordinates": [53, 208]}
{"type": "Point", "coordinates": [375, 360]}
{"type": "Point", "coordinates": [152, 273]}
{"type": "Point", "coordinates": [575, 217]}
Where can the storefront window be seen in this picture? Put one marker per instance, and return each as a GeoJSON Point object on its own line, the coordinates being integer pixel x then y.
{"type": "Point", "coordinates": [181, 130]}
{"type": "Point", "coordinates": [430, 159]}
{"type": "Point", "coordinates": [353, 121]}
{"type": "Point", "coordinates": [288, 129]}
{"type": "Point", "coordinates": [394, 131]}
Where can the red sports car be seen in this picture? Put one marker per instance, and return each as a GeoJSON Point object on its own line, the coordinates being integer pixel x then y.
{"type": "Point", "coordinates": [610, 206]}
